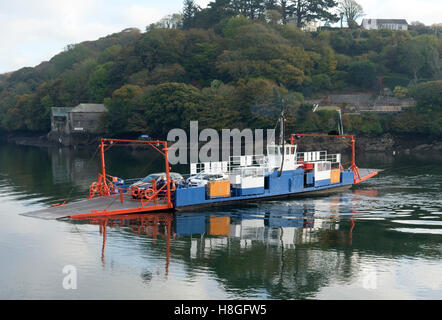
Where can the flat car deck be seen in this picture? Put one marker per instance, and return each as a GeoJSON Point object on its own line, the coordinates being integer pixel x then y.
{"type": "Point", "coordinates": [91, 206]}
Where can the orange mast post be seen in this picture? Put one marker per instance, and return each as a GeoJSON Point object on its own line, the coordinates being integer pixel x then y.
{"type": "Point", "coordinates": [104, 190]}
{"type": "Point", "coordinates": [168, 181]}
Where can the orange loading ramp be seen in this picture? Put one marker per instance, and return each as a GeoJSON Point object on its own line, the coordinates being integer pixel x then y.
{"type": "Point", "coordinates": [106, 199]}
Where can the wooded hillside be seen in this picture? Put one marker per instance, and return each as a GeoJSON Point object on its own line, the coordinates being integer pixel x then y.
{"type": "Point", "coordinates": [230, 70]}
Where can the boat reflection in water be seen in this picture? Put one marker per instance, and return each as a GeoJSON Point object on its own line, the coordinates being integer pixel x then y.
{"type": "Point", "coordinates": [156, 226]}
{"type": "Point", "coordinates": [263, 233]}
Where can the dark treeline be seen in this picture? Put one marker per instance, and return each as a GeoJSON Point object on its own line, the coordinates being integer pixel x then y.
{"type": "Point", "coordinates": [275, 11]}
{"type": "Point", "coordinates": [234, 64]}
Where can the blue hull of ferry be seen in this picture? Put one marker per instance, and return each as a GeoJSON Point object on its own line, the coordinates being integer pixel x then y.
{"type": "Point", "coordinates": [288, 183]}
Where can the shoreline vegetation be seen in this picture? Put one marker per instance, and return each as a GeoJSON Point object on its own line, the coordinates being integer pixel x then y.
{"type": "Point", "coordinates": [386, 143]}
{"type": "Point", "coordinates": [233, 69]}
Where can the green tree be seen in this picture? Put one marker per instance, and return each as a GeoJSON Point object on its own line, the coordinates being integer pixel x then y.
{"type": "Point", "coordinates": [160, 46]}
{"type": "Point", "coordinates": [273, 17]}
{"type": "Point", "coordinates": [362, 74]}
{"type": "Point", "coordinates": [306, 119]}
{"type": "Point", "coordinates": [285, 9]}
{"type": "Point", "coordinates": [429, 94]}
{"type": "Point", "coordinates": [16, 116]}
{"type": "Point", "coordinates": [215, 12]}
{"type": "Point", "coordinates": [431, 48]}
{"type": "Point", "coordinates": [309, 10]}
{"type": "Point", "coordinates": [351, 10]}
{"type": "Point", "coordinates": [98, 85]}
{"type": "Point", "coordinates": [321, 82]}
{"type": "Point", "coordinates": [71, 55]}
{"type": "Point", "coordinates": [411, 58]}
{"type": "Point", "coordinates": [38, 119]}
{"type": "Point", "coordinates": [230, 29]}
{"type": "Point", "coordinates": [121, 108]}
{"type": "Point", "coordinates": [74, 84]}
{"type": "Point", "coordinates": [370, 125]}
{"type": "Point", "coordinates": [171, 105]}
{"type": "Point", "coordinates": [400, 92]}
{"type": "Point", "coordinates": [172, 21]}
{"type": "Point", "coordinates": [189, 11]}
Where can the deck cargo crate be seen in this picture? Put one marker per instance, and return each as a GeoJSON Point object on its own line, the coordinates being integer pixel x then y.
{"type": "Point", "coordinates": [218, 189]}
{"type": "Point", "coordinates": [335, 176]}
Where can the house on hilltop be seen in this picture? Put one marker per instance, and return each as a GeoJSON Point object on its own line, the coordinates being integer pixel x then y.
{"type": "Point", "coordinates": [391, 24]}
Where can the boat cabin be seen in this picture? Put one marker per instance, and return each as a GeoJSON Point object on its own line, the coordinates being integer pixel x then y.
{"type": "Point", "coordinates": [277, 153]}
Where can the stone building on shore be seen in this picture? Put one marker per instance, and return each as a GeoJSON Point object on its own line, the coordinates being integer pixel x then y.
{"type": "Point", "coordinates": [79, 123]}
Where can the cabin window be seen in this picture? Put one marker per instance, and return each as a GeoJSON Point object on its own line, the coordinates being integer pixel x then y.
{"type": "Point", "coordinates": [323, 166]}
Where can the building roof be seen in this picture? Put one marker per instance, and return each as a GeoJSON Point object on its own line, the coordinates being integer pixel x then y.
{"type": "Point", "coordinates": [90, 107]}
{"type": "Point", "coordinates": [396, 21]}
{"type": "Point", "coordinates": [389, 21]}
{"type": "Point", "coordinates": [60, 111]}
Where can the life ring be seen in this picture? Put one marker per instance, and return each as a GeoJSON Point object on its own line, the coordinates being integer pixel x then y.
{"type": "Point", "coordinates": [146, 194]}
{"type": "Point", "coordinates": [94, 187]}
{"type": "Point", "coordinates": [112, 188]}
{"type": "Point", "coordinates": [135, 192]}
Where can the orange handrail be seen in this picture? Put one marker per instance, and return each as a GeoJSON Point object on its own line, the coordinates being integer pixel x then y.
{"type": "Point", "coordinates": [353, 166]}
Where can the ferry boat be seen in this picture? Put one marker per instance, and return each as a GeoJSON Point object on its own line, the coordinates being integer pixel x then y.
{"type": "Point", "coordinates": [283, 171]}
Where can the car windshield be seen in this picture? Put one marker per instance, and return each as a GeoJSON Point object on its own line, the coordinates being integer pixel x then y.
{"type": "Point", "coordinates": [152, 177]}
{"type": "Point", "coordinates": [207, 176]}
{"type": "Point", "coordinates": [176, 176]}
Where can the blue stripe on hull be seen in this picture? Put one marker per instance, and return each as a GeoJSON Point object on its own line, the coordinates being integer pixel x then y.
{"type": "Point", "coordinates": [236, 192]}
{"type": "Point", "coordinates": [321, 183]}
{"type": "Point", "coordinates": [290, 182]}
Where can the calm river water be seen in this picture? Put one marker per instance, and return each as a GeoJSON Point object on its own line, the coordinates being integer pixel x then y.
{"type": "Point", "coordinates": [381, 240]}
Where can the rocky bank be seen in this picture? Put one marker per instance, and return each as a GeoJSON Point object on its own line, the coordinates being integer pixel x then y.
{"type": "Point", "coordinates": [385, 143]}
